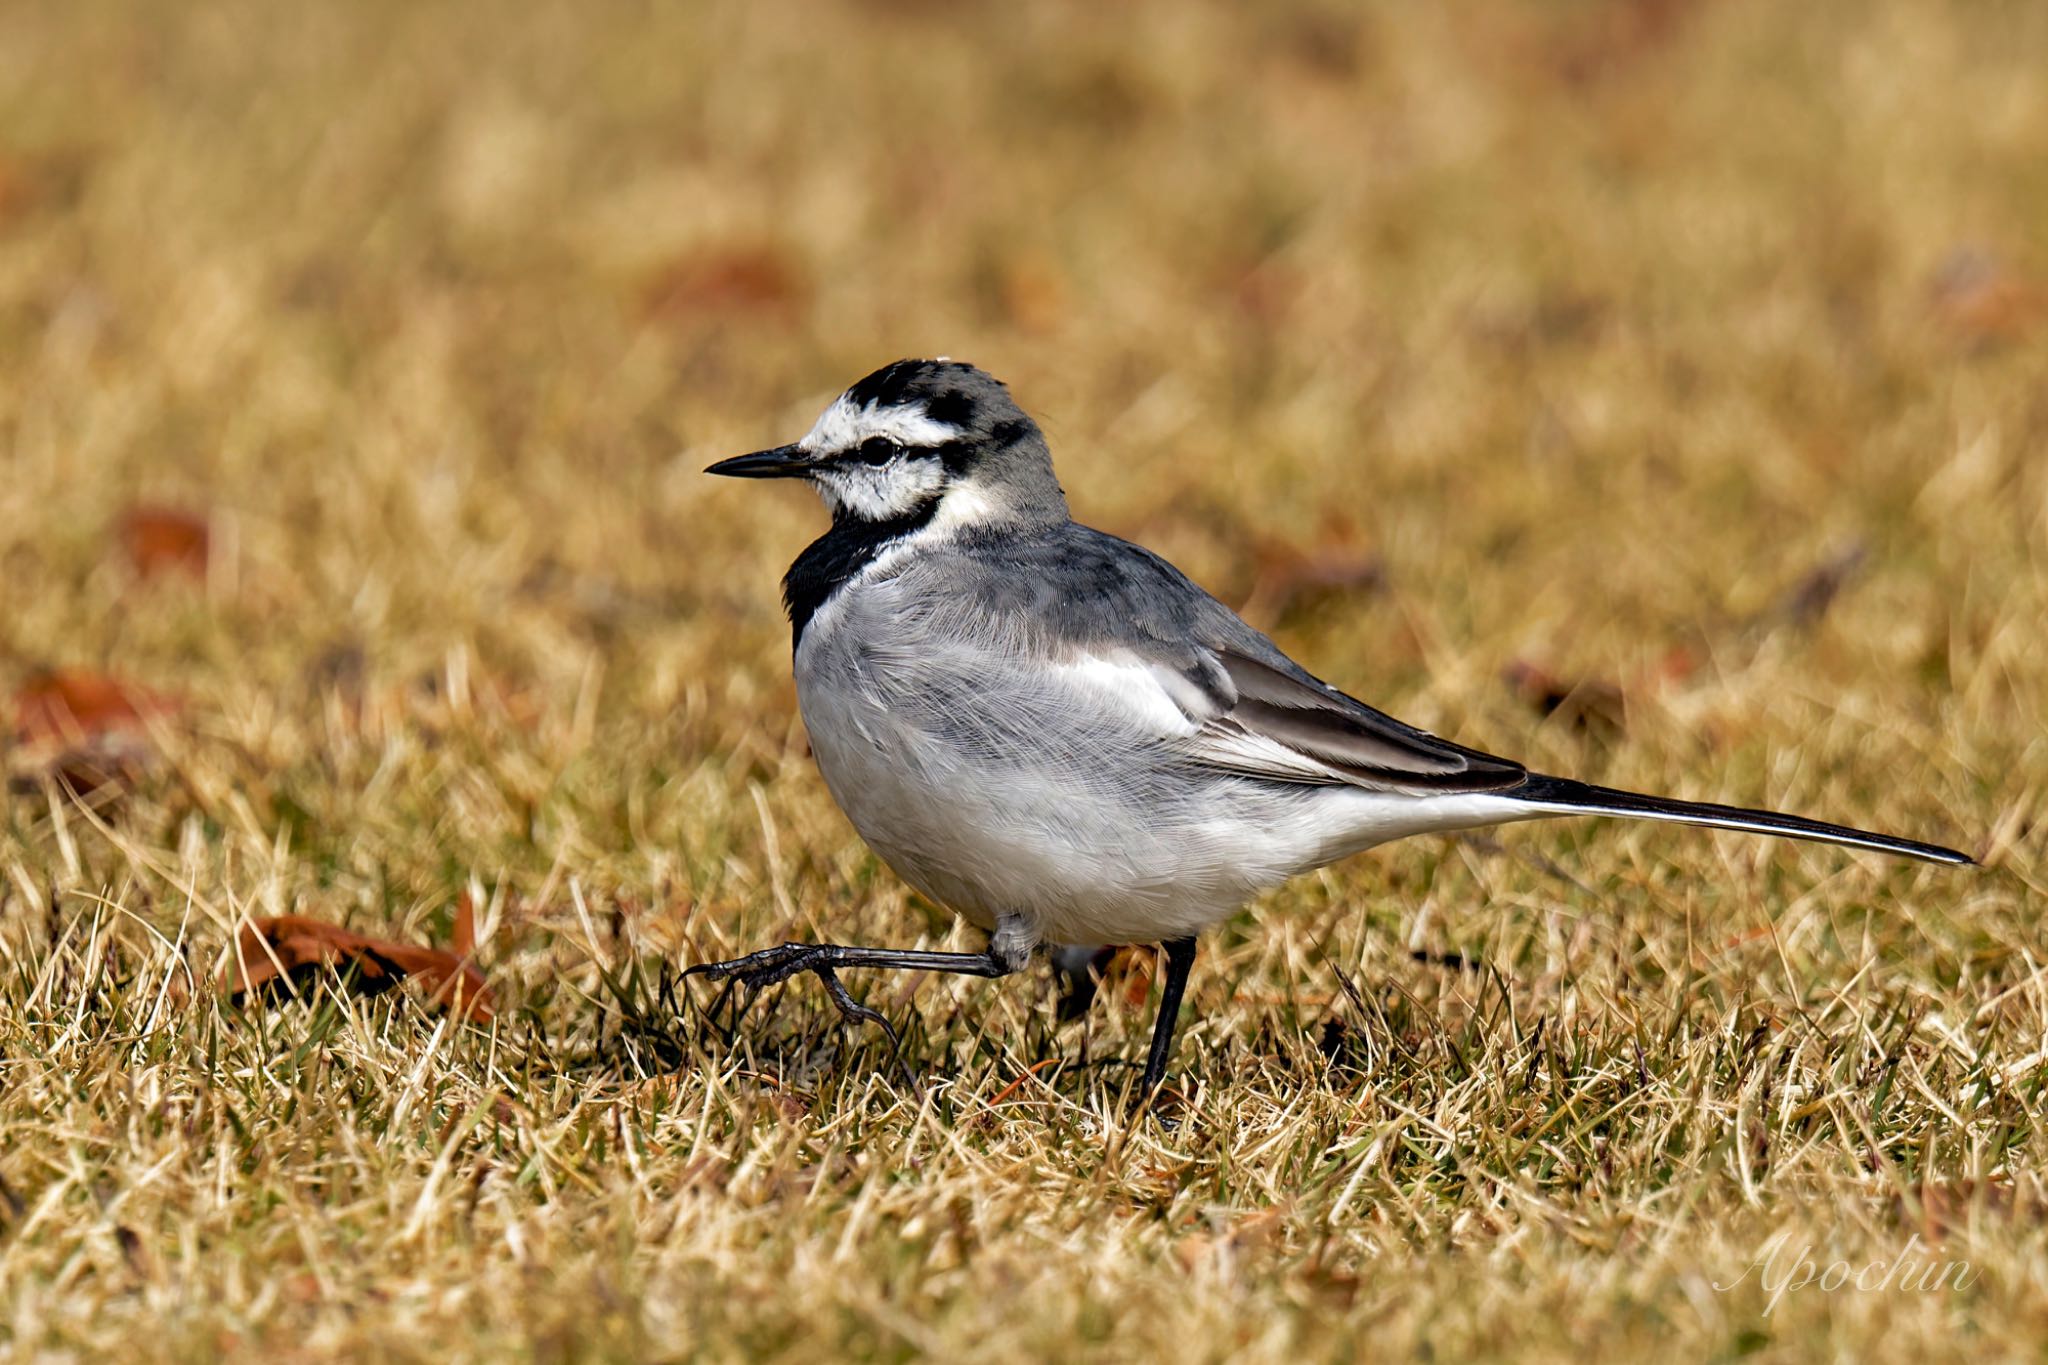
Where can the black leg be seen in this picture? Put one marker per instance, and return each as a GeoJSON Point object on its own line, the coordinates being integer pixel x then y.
{"type": "Point", "coordinates": [771, 965]}
{"type": "Point", "coordinates": [1180, 957]}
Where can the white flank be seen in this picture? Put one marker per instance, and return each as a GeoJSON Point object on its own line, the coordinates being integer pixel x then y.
{"type": "Point", "coordinates": [1144, 696]}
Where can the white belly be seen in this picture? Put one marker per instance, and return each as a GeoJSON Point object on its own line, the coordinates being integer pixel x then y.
{"type": "Point", "coordinates": [1068, 857]}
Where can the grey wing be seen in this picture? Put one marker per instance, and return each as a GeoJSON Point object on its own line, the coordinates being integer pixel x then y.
{"type": "Point", "coordinates": [1252, 710]}
{"type": "Point", "coordinates": [1283, 727]}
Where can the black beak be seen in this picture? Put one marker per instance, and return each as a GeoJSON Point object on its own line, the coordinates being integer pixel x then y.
{"type": "Point", "coordinates": [783, 462]}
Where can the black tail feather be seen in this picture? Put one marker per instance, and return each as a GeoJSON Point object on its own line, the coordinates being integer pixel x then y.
{"type": "Point", "coordinates": [1582, 798]}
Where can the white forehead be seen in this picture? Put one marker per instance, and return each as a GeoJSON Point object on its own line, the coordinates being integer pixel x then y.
{"type": "Point", "coordinates": [846, 424]}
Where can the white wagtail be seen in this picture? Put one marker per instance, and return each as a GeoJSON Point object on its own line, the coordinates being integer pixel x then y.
{"type": "Point", "coordinates": [1055, 734]}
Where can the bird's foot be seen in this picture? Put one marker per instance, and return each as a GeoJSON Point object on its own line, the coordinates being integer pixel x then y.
{"type": "Point", "coordinates": [772, 966]}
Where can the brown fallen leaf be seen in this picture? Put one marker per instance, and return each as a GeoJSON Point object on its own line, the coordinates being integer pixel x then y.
{"type": "Point", "coordinates": [1123, 969]}
{"type": "Point", "coordinates": [1031, 292]}
{"type": "Point", "coordinates": [19, 190]}
{"type": "Point", "coordinates": [40, 182]}
{"type": "Point", "coordinates": [87, 731]}
{"type": "Point", "coordinates": [1941, 1207]}
{"type": "Point", "coordinates": [1339, 562]}
{"type": "Point", "coordinates": [1013, 1087]}
{"type": "Point", "coordinates": [1678, 664]}
{"type": "Point", "coordinates": [1133, 968]}
{"type": "Point", "coordinates": [1598, 43]}
{"type": "Point", "coordinates": [1586, 704]}
{"type": "Point", "coordinates": [737, 280]}
{"type": "Point", "coordinates": [71, 705]}
{"type": "Point", "coordinates": [1806, 601]}
{"type": "Point", "coordinates": [1252, 1233]}
{"type": "Point", "coordinates": [102, 772]}
{"type": "Point", "coordinates": [288, 945]}
{"type": "Point", "coordinates": [1263, 289]}
{"type": "Point", "coordinates": [161, 540]}
{"type": "Point", "coordinates": [1982, 301]}
{"type": "Point", "coordinates": [462, 937]}
{"type": "Point", "coordinates": [1194, 1250]}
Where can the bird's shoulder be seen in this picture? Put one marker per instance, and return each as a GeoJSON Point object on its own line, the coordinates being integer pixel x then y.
{"type": "Point", "coordinates": [1079, 588]}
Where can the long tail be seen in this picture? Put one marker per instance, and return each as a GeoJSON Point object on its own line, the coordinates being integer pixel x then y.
{"type": "Point", "coordinates": [1567, 797]}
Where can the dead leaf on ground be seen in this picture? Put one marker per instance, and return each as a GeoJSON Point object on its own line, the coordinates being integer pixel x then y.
{"type": "Point", "coordinates": [1031, 292]}
{"type": "Point", "coordinates": [1338, 562]}
{"type": "Point", "coordinates": [1252, 1233]}
{"type": "Point", "coordinates": [292, 945]}
{"type": "Point", "coordinates": [1585, 704]}
{"type": "Point", "coordinates": [72, 705]}
{"type": "Point", "coordinates": [1939, 1207]}
{"type": "Point", "coordinates": [1596, 705]}
{"type": "Point", "coordinates": [1808, 599]}
{"type": "Point", "coordinates": [1677, 664]}
{"type": "Point", "coordinates": [163, 540]}
{"type": "Point", "coordinates": [1597, 43]}
{"type": "Point", "coordinates": [86, 730]}
{"type": "Point", "coordinates": [462, 936]}
{"type": "Point", "coordinates": [39, 182]}
{"type": "Point", "coordinates": [1982, 301]}
{"type": "Point", "coordinates": [731, 281]}
{"type": "Point", "coordinates": [1131, 969]}
{"type": "Point", "coordinates": [1264, 289]}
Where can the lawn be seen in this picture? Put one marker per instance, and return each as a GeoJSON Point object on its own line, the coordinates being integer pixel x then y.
{"type": "Point", "coordinates": [1649, 390]}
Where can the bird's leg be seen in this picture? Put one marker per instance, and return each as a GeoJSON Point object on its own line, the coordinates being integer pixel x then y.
{"type": "Point", "coordinates": [757, 971]}
{"type": "Point", "coordinates": [1180, 957]}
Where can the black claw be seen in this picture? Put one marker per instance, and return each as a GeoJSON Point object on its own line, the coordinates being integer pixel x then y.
{"type": "Point", "coordinates": [744, 978]}
{"type": "Point", "coordinates": [767, 967]}
{"type": "Point", "coordinates": [716, 1008]}
{"type": "Point", "coordinates": [757, 971]}
{"type": "Point", "coordinates": [853, 1009]}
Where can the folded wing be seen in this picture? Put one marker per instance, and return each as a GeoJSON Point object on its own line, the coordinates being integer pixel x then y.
{"type": "Point", "coordinates": [1284, 728]}
{"type": "Point", "coordinates": [1143, 645]}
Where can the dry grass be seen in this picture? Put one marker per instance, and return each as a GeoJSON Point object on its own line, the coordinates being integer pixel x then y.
{"type": "Point", "coordinates": [1592, 328]}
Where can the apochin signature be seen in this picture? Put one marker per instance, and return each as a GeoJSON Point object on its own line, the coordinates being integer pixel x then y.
{"type": "Point", "coordinates": [1781, 1269]}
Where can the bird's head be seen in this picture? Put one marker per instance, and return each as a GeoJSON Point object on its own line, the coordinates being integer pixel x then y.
{"type": "Point", "coordinates": [920, 442]}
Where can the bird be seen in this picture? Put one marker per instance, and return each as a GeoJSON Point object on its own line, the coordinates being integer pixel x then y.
{"type": "Point", "coordinates": [1058, 736]}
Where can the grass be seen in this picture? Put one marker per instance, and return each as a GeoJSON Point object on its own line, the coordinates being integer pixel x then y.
{"type": "Point", "coordinates": [1685, 357]}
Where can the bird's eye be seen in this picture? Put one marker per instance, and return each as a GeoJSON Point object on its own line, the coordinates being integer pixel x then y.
{"type": "Point", "coordinates": [878, 450]}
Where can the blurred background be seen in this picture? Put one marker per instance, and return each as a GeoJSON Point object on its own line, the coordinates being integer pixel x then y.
{"type": "Point", "coordinates": [1543, 371]}
{"type": "Point", "coordinates": [1649, 389]}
